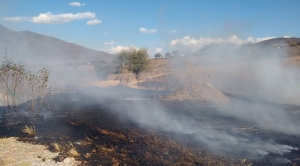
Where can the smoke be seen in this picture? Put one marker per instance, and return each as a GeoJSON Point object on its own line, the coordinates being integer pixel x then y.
{"type": "Point", "coordinates": [264, 82]}
{"type": "Point", "coordinates": [226, 140]}
{"type": "Point", "coordinates": [208, 126]}
{"type": "Point", "coordinates": [260, 84]}
{"type": "Point", "coordinates": [254, 74]}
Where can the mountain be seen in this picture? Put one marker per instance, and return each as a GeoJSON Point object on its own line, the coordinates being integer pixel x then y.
{"type": "Point", "coordinates": [30, 45]}
{"type": "Point", "coordinates": [280, 41]}
{"type": "Point", "coordinates": [276, 47]}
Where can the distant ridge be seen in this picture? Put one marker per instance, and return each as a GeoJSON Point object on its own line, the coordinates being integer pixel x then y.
{"type": "Point", "coordinates": [280, 41]}
{"type": "Point", "coordinates": [276, 47]}
{"type": "Point", "coordinates": [35, 46]}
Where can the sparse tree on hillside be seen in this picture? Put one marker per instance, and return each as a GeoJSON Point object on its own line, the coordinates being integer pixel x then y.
{"type": "Point", "coordinates": [167, 55]}
{"type": "Point", "coordinates": [32, 81]}
{"type": "Point", "coordinates": [122, 67]}
{"type": "Point", "coordinates": [134, 59]}
{"type": "Point", "coordinates": [16, 84]}
{"type": "Point", "coordinates": [138, 60]}
{"type": "Point", "coordinates": [157, 55]}
{"type": "Point", "coordinates": [43, 76]}
{"type": "Point", "coordinates": [12, 77]}
{"type": "Point", "coordinates": [37, 88]}
{"type": "Point", "coordinates": [102, 68]}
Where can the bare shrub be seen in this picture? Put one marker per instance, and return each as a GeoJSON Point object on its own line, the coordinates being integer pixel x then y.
{"type": "Point", "coordinates": [29, 130]}
{"type": "Point", "coordinates": [12, 79]}
{"type": "Point", "coordinates": [17, 85]}
{"type": "Point", "coordinates": [57, 147]}
{"type": "Point", "coordinates": [66, 148]}
{"type": "Point", "coordinates": [37, 85]}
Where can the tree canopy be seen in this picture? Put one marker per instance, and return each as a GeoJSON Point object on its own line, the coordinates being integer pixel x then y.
{"type": "Point", "coordinates": [157, 55]}
{"type": "Point", "coordinates": [134, 59]}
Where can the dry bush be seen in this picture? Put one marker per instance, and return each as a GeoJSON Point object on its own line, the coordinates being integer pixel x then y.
{"type": "Point", "coordinates": [73, 152]}
{"type": "Point", "coordinates": [18, 85]}
{"type": "Point", "coordinates": [57, 147]}
{"type": "Point", "coordinates": [66, 148]}
{"type": "Point", "coordinates": [104, 149]}
{"type": "Point", "coordinates": [113, 134]}
{"type": "Point", "coordinates": [29, 130]}
{"type": "Point", "coordinates": [87, 141]}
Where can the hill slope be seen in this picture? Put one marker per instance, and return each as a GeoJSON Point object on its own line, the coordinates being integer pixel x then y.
{"type": "Point", "coordinates": [31, 45]}
{"type": "Point", "coordinates": [277, 47]}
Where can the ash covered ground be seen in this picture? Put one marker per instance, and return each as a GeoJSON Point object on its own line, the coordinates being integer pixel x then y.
{"type": "Point", "coordinates": [141, 130]}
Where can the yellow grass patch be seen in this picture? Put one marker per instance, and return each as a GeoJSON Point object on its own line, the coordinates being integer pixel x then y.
{"type": "Point", "coordinates": [73, 152]}
{"type": "Point", "coordinates": [110, 133]}
{"type": "Point", "coordinates": [29, 130]}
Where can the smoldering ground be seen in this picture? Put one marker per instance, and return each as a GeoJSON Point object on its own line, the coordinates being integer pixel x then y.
{"type": "Point", "coordinates": [260, 77]}
{"type": "Point", "coordinates": [222, 133]}
{"type": "Point", "coordinates": [267, 83]}
{"type": "Point", "coordinates": [264, 84]}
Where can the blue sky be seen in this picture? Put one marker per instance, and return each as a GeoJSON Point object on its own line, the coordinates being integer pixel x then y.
{"type": "Point", "coordinates": [159, 25]}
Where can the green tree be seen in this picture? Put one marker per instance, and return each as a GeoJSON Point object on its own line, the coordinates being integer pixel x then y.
{"type": "Point", "coordinates": [134, 60]}
{"type": "Point", "coordinates": [157, 55]}
{"type": "Point", "coordinates": [167, 55]}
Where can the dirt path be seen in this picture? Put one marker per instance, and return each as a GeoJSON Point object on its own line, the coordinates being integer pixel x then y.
{"type": "Point", "coordinates": [14, 153]}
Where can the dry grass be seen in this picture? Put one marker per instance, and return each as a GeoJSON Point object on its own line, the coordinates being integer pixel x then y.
{"type": "Point", "coordinates": [57, 147]}
{"type": "Point", "coordinates": [87, 155]}
{"type": "Point", "coordinates": [66, 148]}
{"type": "Point", "coordinates": [113, 134]}
{"type": "Point", "coordinates": [29, 130]}
{"type": "Point", "coordinates": [73, 152]}
{"type": "Point", "coordinates": [104, 149]}
{"type": "Point", "coordinates": [87, 141]}
{"type": "Point", "coordinates": [246, 162]}
{"type": "Point", "coordinates": [76, 124]}
{"type": "Point", "coordinates": [115, 162]}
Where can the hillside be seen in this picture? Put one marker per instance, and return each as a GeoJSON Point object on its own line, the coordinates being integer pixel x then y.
{"type": "Point", "coordinates": [253, 71]}
{"type": "Point", "coordinates": [30, 45]}
{"type": "Point", "coordinates": [276, 47]}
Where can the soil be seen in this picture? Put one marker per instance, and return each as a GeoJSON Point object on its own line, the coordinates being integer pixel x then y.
{"type": "Point", "coordinates": [200, 92]}
{"type": "Point", "coordinates": [14, 152]}
{"type": "Point", "coordinates": [90, 126]}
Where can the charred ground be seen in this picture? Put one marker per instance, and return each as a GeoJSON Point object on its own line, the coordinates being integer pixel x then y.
{"type": "Point", "coordinates": [91, 126]}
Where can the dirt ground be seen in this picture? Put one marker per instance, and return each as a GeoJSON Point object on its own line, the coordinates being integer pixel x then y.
{"type": "Point", "coordinates": [14, 152]}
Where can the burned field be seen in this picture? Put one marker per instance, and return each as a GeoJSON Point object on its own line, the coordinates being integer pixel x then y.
{"type": "Point", "coordinates": [101, 131]}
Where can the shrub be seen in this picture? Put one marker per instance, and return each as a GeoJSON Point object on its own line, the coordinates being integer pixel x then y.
{"type": "Point", "coordinates": [102, 68]}
{"type": "Point", "coordinates": [12, 79]}
{"type": "Point", "coordinates": [157, 55]}
{"type": "Point", "coordinates": [29, 130]}
{"type": "Point", "coordinates": [17, 85]}
{"type": "Point", "coordinates": [167, 55]}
